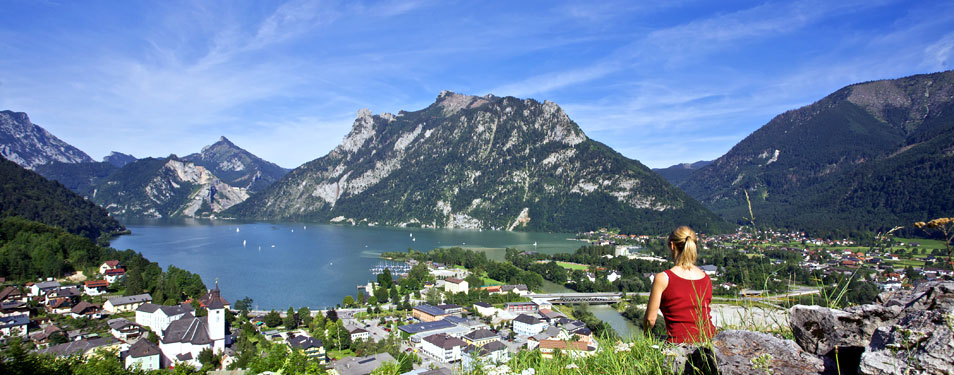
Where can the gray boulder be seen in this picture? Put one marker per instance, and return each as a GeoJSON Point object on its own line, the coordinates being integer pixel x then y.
{"type": "Point", "coordinates": [745, 352]}
{"type": "Point", "coordinates": [937, 295]}
{"type": "Point", "coordinates": [921, 343]}
{"type": "Point", "coordinates": [820, 330]}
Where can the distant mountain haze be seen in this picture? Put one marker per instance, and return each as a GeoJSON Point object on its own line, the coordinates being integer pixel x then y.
{"type": "Point", "coordinates": [200, 184]}
{"type": "Point", "coordinates": [481, 163]}
{"type": "Point", "coordinates": [680, 172]}
{"type": "Point", "coordinates": [869, 156]}
{"type": "Point", "coordinates": [118, 159]}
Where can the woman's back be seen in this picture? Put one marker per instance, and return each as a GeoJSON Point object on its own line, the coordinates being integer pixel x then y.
{"type": "Point", "coordinates": [685, 305]}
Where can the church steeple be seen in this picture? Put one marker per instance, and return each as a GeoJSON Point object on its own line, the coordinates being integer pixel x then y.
{"type": "Point", "coordinates": [216, 319]}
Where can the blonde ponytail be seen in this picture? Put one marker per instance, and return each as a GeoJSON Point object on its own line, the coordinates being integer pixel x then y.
{"type": "Point", "coordinates": [684, 239]}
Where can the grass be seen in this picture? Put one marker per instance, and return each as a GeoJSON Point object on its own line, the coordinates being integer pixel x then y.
{"type": "Point", "coordinates": [339, 354]}
{"type": "Point", "coordinates": [573, 266]}
{"type": "Point", "coordinates": [644, 356]}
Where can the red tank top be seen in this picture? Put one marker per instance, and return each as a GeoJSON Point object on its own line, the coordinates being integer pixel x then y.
{"type": "Point", "coordinates": [685, 306]}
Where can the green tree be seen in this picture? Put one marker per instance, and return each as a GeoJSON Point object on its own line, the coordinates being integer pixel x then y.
{"type": "Point", "coordinates": [347, 302]}
{"type": "Point", "coordinates": [244, 305]}
{"type": "Point", "coordinates": [208, 359]}
{"type": "Point", "coordinates": [385, 279]}
{"type": "Point", "coordinates": [381, 295]}
{"type": "Point", "coordinates": [290, 321]}
{"type": "Point", "coordinates": [395, 296]}
{"type": "Point", "coordinates": [433, 297]}
{"type": "Point", "coordinates": [304, 314]}
{"type": "Point", "coordinates": [272, 319]}
{"type": "Point", "coordinates": [134, 282]}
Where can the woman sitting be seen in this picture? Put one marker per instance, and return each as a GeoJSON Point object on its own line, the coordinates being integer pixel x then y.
{"type": "Point", "coordinates": [683, 293]}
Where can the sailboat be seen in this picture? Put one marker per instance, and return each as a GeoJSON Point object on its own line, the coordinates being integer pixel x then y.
{"type": "Point", "coordinates": [243, 243]}
{"type": "Point", "coordinates": [236, 230]}
{"type": "Point", "coordinates": [534, 243]}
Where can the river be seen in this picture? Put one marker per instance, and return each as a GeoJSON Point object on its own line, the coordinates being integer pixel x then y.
{"type": "Point", "coordinates": [300, 264]}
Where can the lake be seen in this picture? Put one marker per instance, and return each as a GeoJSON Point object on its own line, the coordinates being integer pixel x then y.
{"type": "Point", "coordinates": [301, 264]}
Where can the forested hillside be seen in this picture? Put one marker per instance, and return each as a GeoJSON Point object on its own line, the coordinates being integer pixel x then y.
{"type": "Point", "coordinates": [30, 250]}
{"type": "Point", "coordinates": [28, 195]}
{"type": "Point", "coordinates": [867, 157]}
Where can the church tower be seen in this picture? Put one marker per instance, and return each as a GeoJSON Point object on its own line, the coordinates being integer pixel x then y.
{"type": "Point", "coordinates": [216, 320]}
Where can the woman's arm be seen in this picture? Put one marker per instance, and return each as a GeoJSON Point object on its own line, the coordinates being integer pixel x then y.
{"type": "Point", "coordinates": [655, 297]}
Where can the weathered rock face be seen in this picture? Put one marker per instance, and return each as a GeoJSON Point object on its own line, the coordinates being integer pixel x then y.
{"type": "Point", "coordinates": [29, 145]}
{"type": "Point", "coordinates": [165, 188]}
{"type": "Point", "coordinates": [745, 352]}
{"type": "Point", "coordinates": [906, 332]}
{"type": "Point", "coordinates": [236, 166]}
{"type": "Point", "coordinates": [819, 330]}
{"type": "Point", "coordinates": [922, 341]}
{"type": "Point", "coordinates": [478, 162]}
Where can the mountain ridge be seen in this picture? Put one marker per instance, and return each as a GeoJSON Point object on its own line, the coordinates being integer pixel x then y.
{"type": "Point", "coordinates": [479, 162]}
{"type": "Point", "coordinates": [30, 145]}
{"type": "Point", "coordinates": [236, 166]}
{"type": "Point", "coordinates": [839, 160]}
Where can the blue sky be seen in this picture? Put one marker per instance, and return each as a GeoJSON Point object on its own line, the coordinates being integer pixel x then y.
{"type": "Point", "coordinates": [661, 83]}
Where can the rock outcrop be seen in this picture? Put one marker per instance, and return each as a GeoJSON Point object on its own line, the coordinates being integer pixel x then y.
{"type": "Point", "coordinates": [29, 145]}
{"type": "Point", "coordinates": [904, 332]}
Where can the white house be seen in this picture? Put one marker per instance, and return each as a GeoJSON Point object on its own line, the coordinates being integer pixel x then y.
{"type": "Point", "coordinates": [519, 289]}
{"type": "Point", "coordinates": [43, 287]}
{"type": "Point", "coordinates": [359, 333]}
{"type": "Point", "coordinates": [184, 338]}
{"type": "Point", "coordinates": [143, 354]}
{"type": "Point", "coordinates": [494, 352]}
{"type": "Point", "coordinates": [14, 325]}
{"type": "Point", "coordinates": [484, 309]}
{"type": "Point", "coordinates": [613, 276]}
{"type": "Point", "coordinates": [108, 265]}
{"type": "Point", "coordinates": [528, 325]}
{"type": "Point", "coordinates": [95, 287]}
{"type": "Point", "coordinates": [158, 317]}
{"type": "Point", "coordinates": [455, 285]}
{"type": "Point", "coordinates": [127, 303]}
{"type": "Point", "coordinates": [443, 347]}
{"type": "Point", "coordinates": [124, 329]}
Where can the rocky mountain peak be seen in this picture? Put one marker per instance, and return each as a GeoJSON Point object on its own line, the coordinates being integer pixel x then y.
{"type": "Point", "coordinates": [29, 145]}
{"type": "Point", "coordinates": [452, 102]}
{"type": "Point", "coordinates": [222, 143]}
{"type": "Point", "coordinates": [476, 162]}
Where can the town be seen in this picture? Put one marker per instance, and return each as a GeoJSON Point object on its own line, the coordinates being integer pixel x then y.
{"type": "Point", "coordinates": [430, 316]}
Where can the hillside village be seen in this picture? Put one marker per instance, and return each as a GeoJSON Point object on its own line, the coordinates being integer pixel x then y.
{"type": "Point", "coordinates": [59, 318]}
{"type": "Point", "coordinates": [891, 265]}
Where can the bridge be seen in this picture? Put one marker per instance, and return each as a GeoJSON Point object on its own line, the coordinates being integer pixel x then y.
{"type": "Point", "coordinates": [576, 298]}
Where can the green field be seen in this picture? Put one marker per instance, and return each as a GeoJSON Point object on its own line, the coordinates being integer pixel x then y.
{"type": "Point", "coordinates": [571, 266]}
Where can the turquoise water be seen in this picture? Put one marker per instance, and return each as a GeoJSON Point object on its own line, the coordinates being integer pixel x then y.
{"type": "Point", "coordinates": [299, 264]}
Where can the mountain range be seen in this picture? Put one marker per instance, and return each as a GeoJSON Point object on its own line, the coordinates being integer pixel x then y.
{"type": "Point", "coordinates": [198, 185]}
{"type": "Point", "coordinates": [481, 163]}
{"type": "Point", "coordinates": [678, 173]}
{"type": "Point", "coordinates": [866, 157]}
{"type": "Point", "coordinates": [869, 156]}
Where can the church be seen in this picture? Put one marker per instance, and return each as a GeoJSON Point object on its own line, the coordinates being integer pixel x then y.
{"type": "Point", "coordinates": [183, 339]}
